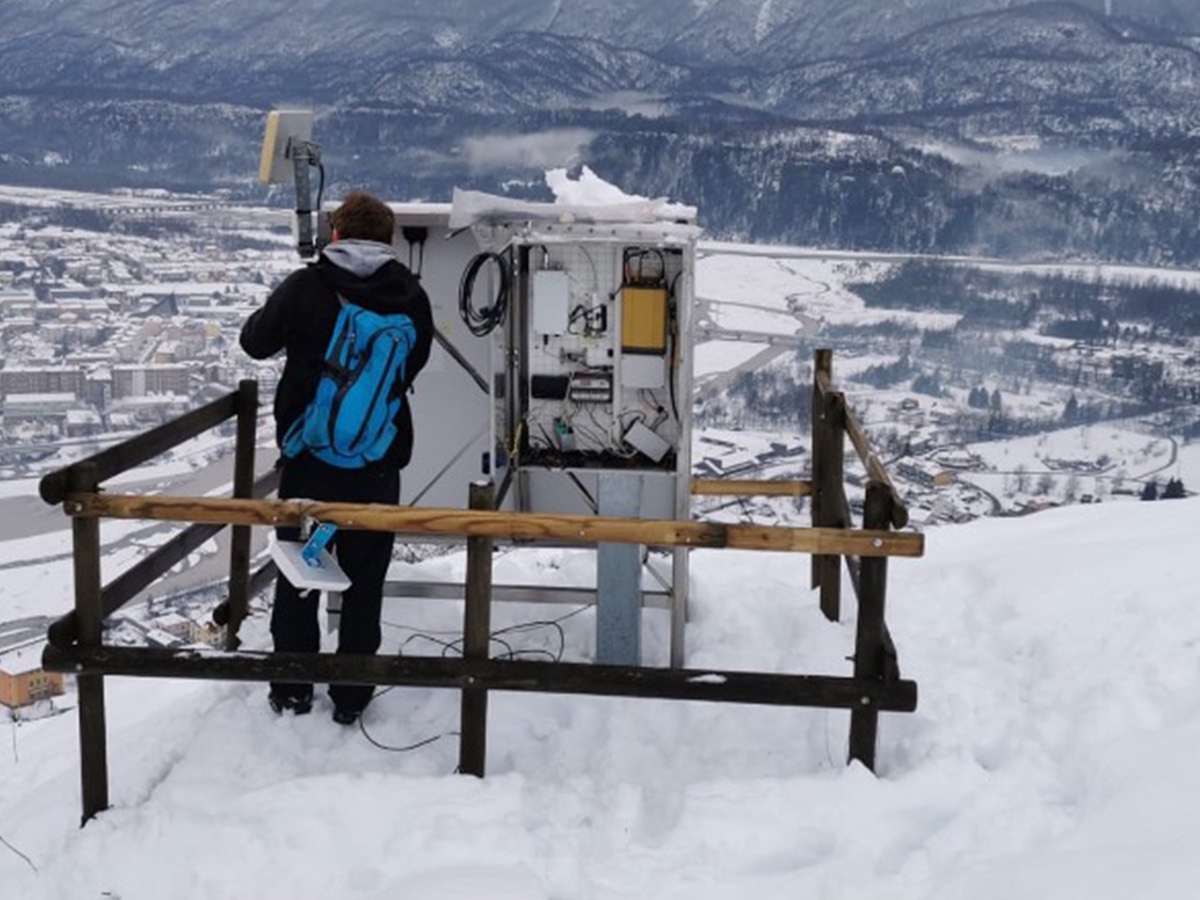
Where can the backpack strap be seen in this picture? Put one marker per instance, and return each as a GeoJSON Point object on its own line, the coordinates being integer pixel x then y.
{"type": "Point", "coordinates": [336, 340]}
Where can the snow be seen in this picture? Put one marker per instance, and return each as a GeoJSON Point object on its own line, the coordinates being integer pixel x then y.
{"type": "Point", "coordinates": [23, 658]}
{"type": "Point", "coordinates": [589, 189]}
{"type": "Point", "coordinates": [715, 357]}
{"type": "Point", "coordinates": [782, 293]}
{"type": "Point", "coordinates": [472, 208]}
{"type": "Point", "coordinates": [1050, 754]}
{"type": "Point", "coordinates": [742, 317]}
{"type": "Point", "coordinates": [764, 21]}
{"type": "Point", "coordinates": [1139, 454]}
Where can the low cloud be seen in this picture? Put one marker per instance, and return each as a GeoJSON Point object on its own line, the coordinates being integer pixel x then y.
{"type": "Point", "coordinates": [542, 150]}
{"type": "Point", "coordinates": [1019, 154]}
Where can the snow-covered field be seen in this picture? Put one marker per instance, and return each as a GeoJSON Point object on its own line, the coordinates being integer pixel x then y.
{"type": "Point", "coordinates": [776, 294]}
{"type": "Point", "coordinates": [715, 357]}
{"type": "Point", "coordinates": [1050, 755]}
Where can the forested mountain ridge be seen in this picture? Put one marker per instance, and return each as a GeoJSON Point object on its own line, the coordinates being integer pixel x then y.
{"type": "Point", "coordinates": [972, 126]}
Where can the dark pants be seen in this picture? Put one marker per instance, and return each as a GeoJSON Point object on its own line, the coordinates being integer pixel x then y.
{"type": "Point", "coordinates": [363, 555]}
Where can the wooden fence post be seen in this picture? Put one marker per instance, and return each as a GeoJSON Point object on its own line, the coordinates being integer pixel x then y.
{"type": "Point", "coordinates": [828, 453]}
{"type": "Point", "coordinates": [93, 743]}
{"type": "Point", "coordinates": [821, 358]}
{"type": "Point", "coordinates": [870, 645]}
{"type": "Point", "coordinates": [477, 637]}
{"type": "Point", "coordinates": [243, 488]}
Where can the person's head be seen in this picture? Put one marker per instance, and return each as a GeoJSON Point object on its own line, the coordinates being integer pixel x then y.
{"type": "Point", "coordinates": [362, 217]}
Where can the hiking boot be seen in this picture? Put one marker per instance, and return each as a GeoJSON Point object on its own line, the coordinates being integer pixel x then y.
{"type": "Point", "coordinates": [344, 716]}
{"type": "Point", "coordinates": [297, 706]}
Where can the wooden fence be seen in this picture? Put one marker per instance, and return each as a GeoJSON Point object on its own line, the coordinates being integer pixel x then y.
{"type": "Point", "coordinates": [76, 644]}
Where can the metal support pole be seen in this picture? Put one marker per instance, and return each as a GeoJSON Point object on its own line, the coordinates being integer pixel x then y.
{"type": "Point", "coordinates": [477, 630]}
{"type": "Point", "coordinates": [93, 744]}
{"type": "Point", "coordinates": [618, 575]}
{"type": "Point", "coordinates": [680, 585]}
{"type": "Point", "coordinates": [680, 374]}
{"type": "Point", "coordinates": [243, 488]}
{"type": "Point", "coordinates": [302, 158]}
{"type": "Point", "coordinates": [870, 640]}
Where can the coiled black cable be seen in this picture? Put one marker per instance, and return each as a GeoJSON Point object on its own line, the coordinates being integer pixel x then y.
{"type": "Point", "coordinates": [483, 321]}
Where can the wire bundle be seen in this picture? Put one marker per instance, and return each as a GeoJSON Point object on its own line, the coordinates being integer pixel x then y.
{"type": "Point", "coordinates": [453, 647]}
{"type": "Point", "coordinates": [483, 321]}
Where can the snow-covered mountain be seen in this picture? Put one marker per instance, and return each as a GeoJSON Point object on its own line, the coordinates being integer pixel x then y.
{"type": "Point", "coordinates": [1048, 70]}
{"type": "Point", "coordinates": [781, 119]}
{"type": "Point", "coordinates": [169, 35]}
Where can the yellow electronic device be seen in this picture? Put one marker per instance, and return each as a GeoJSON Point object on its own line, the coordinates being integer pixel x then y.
{"type": "Point", "coordinates": [644, 320]}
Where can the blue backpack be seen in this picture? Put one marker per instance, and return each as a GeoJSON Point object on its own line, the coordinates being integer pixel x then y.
{"type": "Point", "coordinates": [351, 420]}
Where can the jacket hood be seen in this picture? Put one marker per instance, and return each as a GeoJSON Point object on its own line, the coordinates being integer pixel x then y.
{"type": "Point", "coordinates": [361, 258]}
{"type": "Point", "coordinates": [368, 274]}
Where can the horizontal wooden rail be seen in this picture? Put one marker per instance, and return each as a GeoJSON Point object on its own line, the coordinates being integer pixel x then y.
{"type": "Point", "coordinates": [768, 689]}
{"type": "Point", "coordinates": [65, 630]}
{"type": "Point", "coordinates": [479, 523]}
{"type": "Point", "coordinates": [716, 487]}
{"type": "Point", "coordinates": [135, 451]}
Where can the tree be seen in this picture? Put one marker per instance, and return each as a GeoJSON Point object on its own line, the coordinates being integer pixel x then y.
{"type": "Point", "coordinates": [1150, 491]}
{"type": "Point", "coordinates": [1118, 482]}
{"type": "Point", "coordinates": [1071, 492]}
{"type": "Point", "coordinates": [1022, 479]}
{"type": "Point", "coordinates": [997, 422]}
{"type": "Point", "coordinates": [1071, 410]}
{"type": "Point", "coordinates": [1174, 490]}
{"type": "Point", "coordinates": [927, 384]}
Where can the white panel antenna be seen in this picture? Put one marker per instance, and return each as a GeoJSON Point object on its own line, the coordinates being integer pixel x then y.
{"type": "Point", "coordinates": [287, 154]}
{"type": "Point", "coordinates": [286, 129]}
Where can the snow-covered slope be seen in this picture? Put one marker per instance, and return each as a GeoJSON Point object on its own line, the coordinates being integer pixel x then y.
{"type": "Point", "coordinates": [1050, 755]}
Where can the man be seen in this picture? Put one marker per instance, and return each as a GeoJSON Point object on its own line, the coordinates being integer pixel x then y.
{"type": "Point", "coordinates": [360, 266]}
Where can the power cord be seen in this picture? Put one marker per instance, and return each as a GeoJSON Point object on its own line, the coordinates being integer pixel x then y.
{"type": "Point", "coordinates": [416, 235]}
{"type": "Point", "coordinates": [320, 185]}
{"type": "Point", "coordinates": [408, 748]}
{"type": "Point", "coordinates": [454, 646]}
{"type": "Point", "coordinates": [481, 322]}
{"type": "Point", "coordinates": [28, 861]}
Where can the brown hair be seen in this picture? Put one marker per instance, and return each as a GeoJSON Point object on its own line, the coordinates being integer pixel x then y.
{"type": "Point", "coordinates": [363, 217]}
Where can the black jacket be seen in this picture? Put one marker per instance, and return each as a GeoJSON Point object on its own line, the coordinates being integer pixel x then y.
{"type": "Point", "coordinates": [299, 316]}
